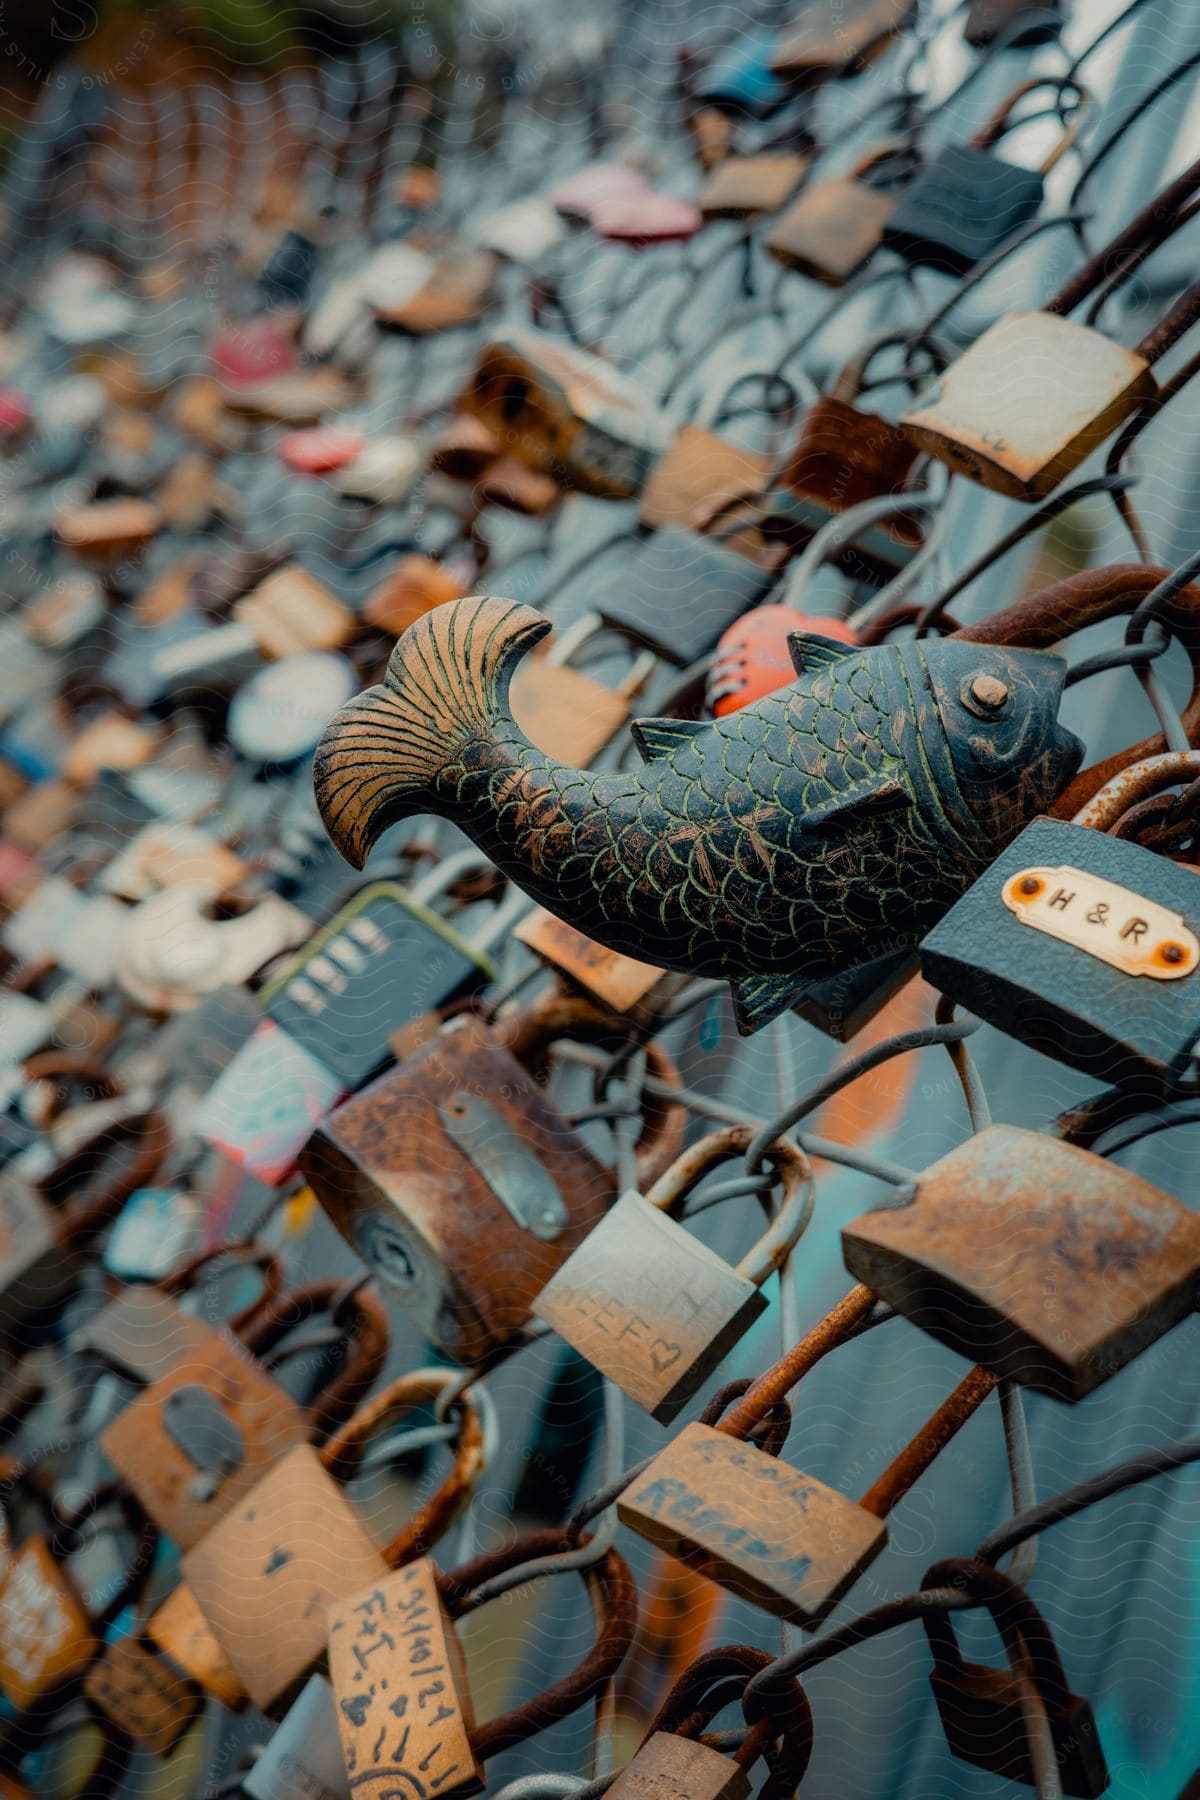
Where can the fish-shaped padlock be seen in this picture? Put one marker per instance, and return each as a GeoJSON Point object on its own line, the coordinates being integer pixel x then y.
{"type": "Point", "coordinates": [799, 836]}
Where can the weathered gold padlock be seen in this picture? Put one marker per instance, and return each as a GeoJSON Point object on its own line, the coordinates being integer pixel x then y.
{"type": "Point", "coordinates": [136, 1688]}
{"type": "Point", "coordinates": [458, 1181]}
{"type": "Point", "coordinates": [295, 1544]}
{"type": "Point", "coordinates": [634, 989]}
{"type": "Point", "coordinates": [835, 226]}
{"type": "Point", "coordinates": [195, 1441]}
{"type": "Point", "coordinates": [768, 1532]}
{"type": "Point", "coordinates": [652, 1308]}
{"type": "Point", "coordinates": [740, 186]}
{"type": "Point", "coordinates": [1046, 1264]}
{"type": "Point", "coordinates": [839, 41]}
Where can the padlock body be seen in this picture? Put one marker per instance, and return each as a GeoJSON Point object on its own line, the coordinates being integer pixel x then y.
{"type": "Point", "coordinates": [167, 1444]}
{"type": "Point", "coordinates": [181, 1631]}
{"type": "Point", "coordinates": [1034, 1258]}
{"type": "Point", "coordinates": [765, 1531]}
{"type": "Point", "coordinates": [840, 42]}
{"type": "Point", "coordinates": [141, 1693]}
{"type": "Point", "coordinates": [286, 1552]}
{"type": "Point", "coordinates": [45, 1636]}
{"type": "Point", "coordinates": [988, 18]}
{"type": "Point", "coordinates": [406, 1172]}
{"type": "Point", "coordinates": [982, 1717]}
{"type": "Point", "coordinates": [626, 986]}
{"type": "Point", "coordinates": [669, 1768]}
{"type": "Point", "coordinates": [1102, 997]}
{"type": "Point", "coordinates": [564, 712]}
{"type": "Point", "coordinates": [831, 229]}
{"type": "Point", "coordinates": [1028, 402]}
{"type": "Point", "coordinates": [960, 208]}
{"type": "Point", "coordinates": [740, 186]}
{"type": "Point", "coordinates": [698, 465]}
{"type": "Point", "coordinates": [679, 590]}
{"type": "Point", "coordinates": [649, 1306]}
{"type": "Point", "coordinates": [394, 1652]}
{"type": "Point", "coordinates": [36, 1272]}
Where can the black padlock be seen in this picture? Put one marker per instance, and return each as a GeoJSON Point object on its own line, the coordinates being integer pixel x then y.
{"type": "Point", "coordinates": [1083, 945]}
{"type": "Point", "coordinates": [981, 1708]}
{"type": "Point", "coordinates": [1024, 22]}
{"type": "Point", "coordinates": [679, 590]}
{"type": "Point", "coordinates": [967, 201]}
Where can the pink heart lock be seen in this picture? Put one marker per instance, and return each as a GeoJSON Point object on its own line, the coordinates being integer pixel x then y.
{"type": "Point", "coordinates": [321, 449]}
{"type": "Point", "coordinates": [576, 196]}
{"type": "Point", "coordinates": [15, 410]}
{"type": "Point", "coordinates": [648, 218]}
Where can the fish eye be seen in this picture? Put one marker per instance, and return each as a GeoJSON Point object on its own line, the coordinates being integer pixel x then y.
{"type": "Point", "coordinates": [985, 695]}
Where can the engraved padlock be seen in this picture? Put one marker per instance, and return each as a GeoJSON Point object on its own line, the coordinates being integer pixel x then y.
{"type": "Point", "coordinates": [134, 1686]}
{"type": "Point", "coordinates": [653, 1308]}
{"type": "Point", "coordinates": [1061, 1270]}
{"type": "Point", "coordinates": [457, 1179]}
{"type": "Point", "coordinates": [835, 225]}
{"type": "Point", "coordinates": [296, 1543]}
{"type": "Point", "coordinates": [965, 202]}
{"type": "Point", "coordinates": [762, 1529]}
{"type": "Point", "coordinates": [197, 1439]}
{"type": "Point", "coordinates": [393, 1649]}
{"type": "Point", "coordinates": [981, 1708]}
{"type": "Point", "coordinates": [1036, 393]}
{"type": "Point", "coordinates": [1082, 944]}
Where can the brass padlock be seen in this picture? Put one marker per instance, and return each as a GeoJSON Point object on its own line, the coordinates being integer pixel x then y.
{"type": "Point", "coordinates": [765, 1531]}
{"type": "Point", "coordinates": [427, 1695]}
{"type": "Point", "coordinates": [740, 186]}
{"type": "Point", "coordinates": [296, 1544]}
{"type": "Point", "coordinates": [634, 989]}
{"type": "Point", "coordinates": [195, 1441]}
{"type": "Point", "coordinates": [107, 530]}
{"type": "Point", "coordinates": [981, 1708]}
{"type": "Point", "coordinates": [458, 1181]}
{"type": "Point", "coordinates": [1084, 945]}
{"type": "Point", "coordinates": [835, 226]}
{"type": "Point", "coordinates": [568, 713]}
{"type": "Point", "coordinates": [697, 464]}
{"type": "Point", "coordinates": [414, 585]}
{"type": "Point", "coordinates": [566, 413]}
{"type": "Point", "coordinates": [289, 612]}
{"type": "Point", "coordinates": [841, 41]}
{"type": "Point", "coordinates": [180, 1631]}
{"type": "Point", "coordinates": [1047, 1264]}
{"type": "Point", "coordinates": [1036, 393]}
{"type": "Point", "coordinates": [136, 1688]}
{"type": "Point", "coordinates": [46, 1638]}
{"type": "Point", "coordinates": [652, 1308]}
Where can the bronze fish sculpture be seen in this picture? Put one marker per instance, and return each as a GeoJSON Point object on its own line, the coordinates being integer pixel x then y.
{"type": "Point", "coordinates": [792, 839]}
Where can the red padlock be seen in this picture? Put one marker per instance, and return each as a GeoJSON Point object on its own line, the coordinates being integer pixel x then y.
{"type": "Point", "coordinates": [752, 656]}
{"type": "Point", "coordinates": [320, 449]}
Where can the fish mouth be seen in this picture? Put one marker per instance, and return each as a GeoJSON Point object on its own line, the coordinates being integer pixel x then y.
{"type": "Point", "coordinates": [1064, 750]}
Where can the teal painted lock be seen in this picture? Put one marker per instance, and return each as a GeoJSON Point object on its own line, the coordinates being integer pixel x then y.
{"type": "Point", "coordinates": [1084, 945]}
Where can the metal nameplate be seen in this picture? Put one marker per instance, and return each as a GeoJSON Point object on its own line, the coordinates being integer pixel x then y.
{"type": "Point", "coordinates": [1113, 924]}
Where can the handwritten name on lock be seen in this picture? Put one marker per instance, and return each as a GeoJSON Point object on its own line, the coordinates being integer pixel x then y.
{"type": "Point", "coordinates": [1112, 923]}
{"type": "Point", "coordinates": [44, 1634]}
{"type": "Point", "coordinates": [404, 1711]}
{"type": "Point", "coordinates": [767, 1531]}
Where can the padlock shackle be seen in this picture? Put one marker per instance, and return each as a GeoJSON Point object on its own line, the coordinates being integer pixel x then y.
{"type": "Point", "coordinates": [1154, 224]}
{"type": "Point", "coordinates": [851, 378]}
{"type": "Point", "coordinates": [1140, 780]}
{"type": "Point", "coordinates": [238, 1253]}
{"type": "Point", "coordinates": [1044, 619]}
{"type": "Point", "coordinates": [60, 1067]}
{"type": "Point", "coordinates": [924, 1449]}
{"type": "Point", "coordinates": [611, 1583]}
{"type": "Point", "coordinates": [1001, 121]}
{"type": "Point", "coordinates": [773, 1248]}
{"type": "Point", "coordinates": [368, 1331]}
{"type": "Point", "coordinates": [1009, 1604]}
{"type": "Point", "coordinates": [341, 1453]}
{"type": "Point", "coordinates": [529, 1033]}
{"type": "Point", "coordinates": [717, 1679]}
{"type": "Point", "coordinates": [147, 1133]}
{"type": "Point", "coordinates": [774, 1384]}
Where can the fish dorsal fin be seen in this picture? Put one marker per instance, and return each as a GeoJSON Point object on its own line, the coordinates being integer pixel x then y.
{"type": "Point", "coordinates": [659, 737]}
{"type": "Point", "coordinates": [810, 651]}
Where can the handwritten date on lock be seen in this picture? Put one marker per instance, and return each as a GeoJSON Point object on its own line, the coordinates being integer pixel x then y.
{"type": "Point", "coordinates": [404, 1711]}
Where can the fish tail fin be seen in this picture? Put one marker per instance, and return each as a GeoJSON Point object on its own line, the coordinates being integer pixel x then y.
{"type": "Point", "coordinates": [447, 682]}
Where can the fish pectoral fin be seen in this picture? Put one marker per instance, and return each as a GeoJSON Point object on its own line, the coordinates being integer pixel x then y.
{"type": "Point", "coordinates": [659, 737]}
{"type": "Point", "coordinates": [809, 651]}
{"type": "Point", "coordinates": [885, 794]}
{"type": "Point", "coordinates": [757, 999]}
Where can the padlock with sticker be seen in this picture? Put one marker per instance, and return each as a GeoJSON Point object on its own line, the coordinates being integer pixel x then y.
{"type": "Point", "coordinates": [457, 1179]}
{"type": "Point", "coordinates": [1031, 398]}
{"type": "Point", "coordinates": [1084, 944]}
{"type": "Point", "coordinates": [768, 1532]}
{"type": "Point", "coordinates": [297, 1543]}
{"type": "Point", "coordinates": [198, 1438]}
{"type": "Point", "coordinates": [650, 1306]}
{"type": "Point", "coordinates": [1061, 1271]}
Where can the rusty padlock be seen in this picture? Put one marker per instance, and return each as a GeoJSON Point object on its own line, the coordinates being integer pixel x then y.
{"type": "Point", "coordinates": [635, 990]}
{"type": "Point", "coordinates": [438, 1729]}
{"type": "Point", "coordinates": [1035, 394]}
{"type": "Point", "coordinates": [981, 1708]}
{"type": "Point", "coordinates": [738, 187]}
{"type": "Point", "coordinates": [1062, 1269]}
{"type": "Point", "coordinates": [836, 225]}
{"type": "Point", "coordinates": [134, 1687]}
{"type": "Point", "coordinates": [458, 1180]}
{"type": "Point", "coordinates": [566, 413]}
{"type": "Point", "coordinates": [46, 1223]}
{"type": "Point", "coordinates": [295, 1544]}
{"type": "Point", "coordinates": [1082, 944]}
{"type": "Point", "coordinates": [650, 1306]}
{"type": "Point", "coordinates": [767, 1532]}
{"type": "Point", "coordinates": [410, 588]}
{"type": "Point", "coordinates": [839, 42]}
{"type": "Point", "coordinates": [197, 1439]}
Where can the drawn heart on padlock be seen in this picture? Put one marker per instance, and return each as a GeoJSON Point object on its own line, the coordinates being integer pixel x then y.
{"type": "Point", "coordinates": [663, 1354]}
